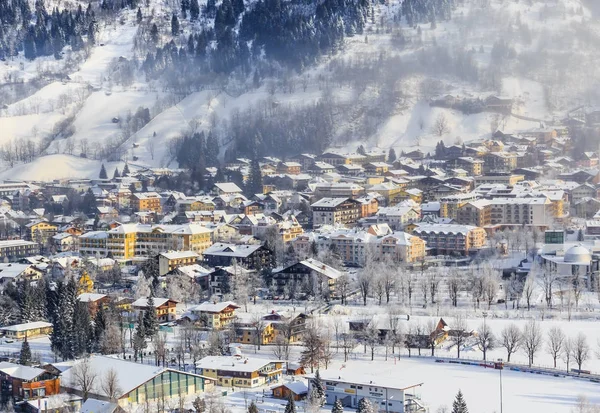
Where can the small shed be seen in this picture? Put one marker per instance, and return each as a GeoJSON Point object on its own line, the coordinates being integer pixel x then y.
{"type": "Point", "coordinates": [295, 369]}
{"type": "Point", "coordinates": [297, 389]}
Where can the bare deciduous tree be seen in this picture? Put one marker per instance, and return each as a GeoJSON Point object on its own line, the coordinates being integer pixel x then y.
{"type": "Point", "coordinates": [83, 377]}
{"type": "Point", "coordinates": [510, 339]}
{"type": "Point", "coordinates": [531, 339]}
{"type": "Point", "coordinates": [556, 343]}
{"type": "Point", "coordinates": [485, 339]}
{"type": "Point", "coordinates": [459, 334]}
{"type": "Point", "coordinates": [580, 350]}
{"type": "Point", "coordinates": [441, 125]}
{"type": "Point", "coordinates": [454, 283]}
{"type": "Point", "coordinates": [110, 385]}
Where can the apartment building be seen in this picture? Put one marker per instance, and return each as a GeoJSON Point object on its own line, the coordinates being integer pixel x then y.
{"type": "Point", "coordinates": [215, 315]}
{"type": "Point", "coordinates": [331, 211]}
{"type": "Point", "coordinates": [537, 212]}
{"type": "Point", "coordinates": [448, 239]}
{"type": "Point", "coordinates": [13, 250]}
{"type": "Point", "coordinates": [449, 205]}
{"type": "Point", "coordinates": [145, 202]}
{"type": "Point", "coordinates": [165, 308]}
{"type": "Point", "coordinates": [473, 166]}
{"type": "Point", "coordinates": [231, 371]}
{"type": "Point", "coordinates": [128, 241]}
{"type": "Point", "coordinates": [338, 190]}
{"type": "Point", "coordinates": [477, 213]}
{"type": "Point", "coordinates": [168, 261]}
{"type": "Point", "coordinates": [504, 179]}
{"type": "Point", "coordinates": [40, 231]}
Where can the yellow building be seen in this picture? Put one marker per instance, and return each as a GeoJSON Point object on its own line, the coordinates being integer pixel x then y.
{"type": "Point", "coordinates": [247, 333]}
{"type": "Point", "coordinates": [135, 240]}
{"type": "Point", "coordinates": [215, 315]}
{"type": "Point", "coordinates": [145, 202]}
{"type": "Point", "coordinates": [29, 330]}
{"type": "Point", "coordinates": [40, 231]}
{"type": "Point", "coordinates": [168, 261]}
{"type": "Point", "coordinates": [240, 372]}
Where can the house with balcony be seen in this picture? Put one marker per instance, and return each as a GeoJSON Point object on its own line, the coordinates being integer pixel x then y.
{"type": "Point", "coordinates": [165, 308]}
{"type": "Point", "coordinates": [215, 315]}
{"type": "Point", "coordinates": [19, 382]}
{"type": "Point", "coordinates": [241, 372]}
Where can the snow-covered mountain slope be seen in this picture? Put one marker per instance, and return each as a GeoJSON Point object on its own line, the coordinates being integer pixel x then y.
{"type": "Point", "coordinates": [549, 67]}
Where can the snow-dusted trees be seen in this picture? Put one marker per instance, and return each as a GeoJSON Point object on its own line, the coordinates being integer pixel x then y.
{"type": "Point", "coordinates": [548, 278]}
{"type": "Point", "coordinates": [459, 405]}
{"type": "Point", "coordinates": [313, 348]}
{"type": "Point", "coordinates": [531, 339]}
{"type": "Point", "coordinates": [510, 339]}
{"type": "Point", "coordinates": [364, 280]}
{"type": "Point", "coordinates": [454, 283]}
{"type": "Point", "coordinates": [83, 377]}
{"type": "Point", "coordinates": [460, 334]}
{"type": "Point", "coordinates": [528, 289]}
{"type": "Point", "coordinates": [364, 406]}
{"type": "Point", "coordinates": [489, 284]}
{"type": "Point", "coordinates": [110, 385]}
{"type": "Point", "coordinates": [343, 286]}
{"type": "Point", "coordinates": [441, 125]}
{"type": "Point", "coordinates": [556, 343]}
{"type": "Point", "coordinates": [580, 350]}
{"type": "Point", "coordinates": [485, 339]}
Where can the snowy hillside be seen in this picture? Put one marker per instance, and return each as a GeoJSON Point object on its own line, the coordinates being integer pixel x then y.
{"type": "Point", "coordinates": [506, 48]}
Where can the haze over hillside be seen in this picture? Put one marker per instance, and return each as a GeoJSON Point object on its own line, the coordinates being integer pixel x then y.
{"type": "Point", "coordinates": [357, 73]}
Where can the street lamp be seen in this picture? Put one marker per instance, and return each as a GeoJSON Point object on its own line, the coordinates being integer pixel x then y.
{"type": "Point", "coordinates": [501, 368]}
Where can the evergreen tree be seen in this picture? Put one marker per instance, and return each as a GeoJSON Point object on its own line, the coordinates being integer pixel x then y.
{"type": "Point", "coordinates": [100, 324]}
{"type": "Point", "coordinates": [150, 320]}
{"type": "Point", "coordinates": [83, 331]}
{"type": "Point", "coordinates": [103, 174]}
{"type": "Point", "coordinates": [89, 205]}
{"type": "Point", "coordinates": [319, 389]}
{"type": "Point", "coordinates": [174, 25]}
{"type": "Point", "coordinates": [126, 170]}
{"type": "Point", "coordinates": [238, 7]}
{"type": "Point", "coordinates": [194, 9]}
{"type": "Point", "coordinates": [391, 156]}
{"type": "Point", "coordinates": [139, 338]}
{"type": "Point", "coordinates": [337, 407]}
{"type": "Point", "coordinates": [254, 185]}
{"type": "Point", "coordinates": [459, 405]}
{"type": "Point", "coordinates": [252, 408]}
{"type": "Point", "coordinates": [25, 355]}
{"type": "Point", "coordinates": [364, 406]}
{"type": "Point", "coordinates": [139, 15]}
{"type": "Point", "coordinates": [290, 407]}
{"type": "Point", "coordinates": [154, 33]}
{"type": "Point", "coordinates": [361, 150]}
{"type": "Point", "coordinates": [116, 174]}
{"type": "Point", "coordinates": [580, 236]}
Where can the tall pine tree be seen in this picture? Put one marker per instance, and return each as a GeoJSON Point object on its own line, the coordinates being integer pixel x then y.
{"type": "Point", "coordinates": [459, 405]}
{"type": "Point", "coordinates": [25, 355]}
{"type": "Point", "coordinates": [103, 174]}
{"type": "Point", "coordinates": [150, 320]}
{"type": "Point", "coordinates": [337, 407]}
{"type": "Point", "coordinates": [254, 185]}
{"type": "Point", "coordinates": [318, 393]}
{"type": "Point", "coordinates": [290, 407]}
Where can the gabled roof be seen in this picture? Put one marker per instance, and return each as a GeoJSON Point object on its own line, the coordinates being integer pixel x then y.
{"type": "Point", "coordinates": [143, 302]}
{"type": "Point", "coordinates": [208, 307]}
{"type": "Point", "coordinates": [18, 371]}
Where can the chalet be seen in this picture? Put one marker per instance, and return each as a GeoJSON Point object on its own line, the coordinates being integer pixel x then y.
{"type": "Point", "coordinates": [165, 308]}
{"type": "Point", "coordinates": [94, 301]}
{"type": "Point", "coordinates": [220, 281]}
{"type": "Point", "coordinates": [321, 276]}
{"type": "Point", "coordinates": [240, 372]}
{"type": "Point", "coordinates": [295, 389]}
{"type": "Point", "coordinates": [19, 382]}
{"type": "Point", "coordinates": [248, 255]}
{"type": "Point", "coordinates": [215, 315]}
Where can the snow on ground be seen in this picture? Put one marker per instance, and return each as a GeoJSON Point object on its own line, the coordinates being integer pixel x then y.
{"type": "Point", "coordinates": [59, 166]}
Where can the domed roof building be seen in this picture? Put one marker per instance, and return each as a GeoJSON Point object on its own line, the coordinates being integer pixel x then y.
{"type": "Point", "coordinates": [578, 254]}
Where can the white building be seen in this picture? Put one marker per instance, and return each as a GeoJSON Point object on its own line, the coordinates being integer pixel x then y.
{"type": "Point", "coordinates": [385, 394]}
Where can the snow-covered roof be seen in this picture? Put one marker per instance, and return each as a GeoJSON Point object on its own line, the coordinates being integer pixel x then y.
{"type": "Point", "coordinates": [296, 387]}
{"type": "Point", "coordinates": [18, 371]}
{"type": "Point", "coordinates": [232, 364]}
{"type": "Point", "coordinates": [26, 326]}
{"type": "Point", "coordinates": [208, 307]}
{"type": "Point", "coordinates": [174, 255]}
{"type": "Point", "coordinates": [130, 375]}
{"type": "Point", "coordinates": [322, 268]}
{"type": "Point", "coordinates": [228, 187]}
{"type": "Point", "coordinates": [98, 406]}
{"type": "Point", "coordinates": [231, 250]}
{"type": "Point", "coordinates": [143, 302]}
{"type": "Point", "coordinates": [90, 297]}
